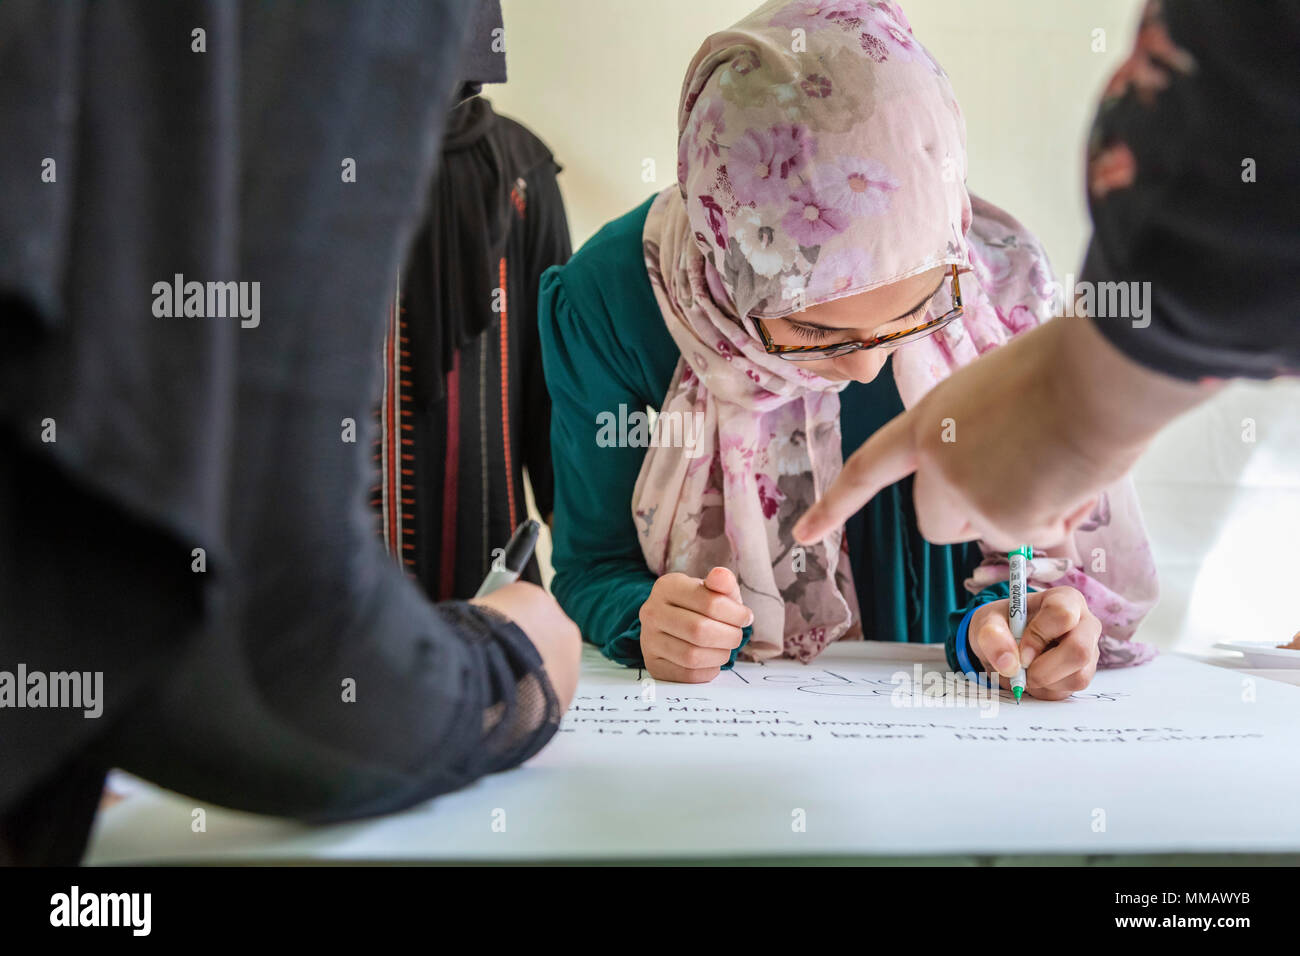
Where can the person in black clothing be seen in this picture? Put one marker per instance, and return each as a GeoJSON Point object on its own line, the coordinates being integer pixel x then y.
{"type": "Point", "coordinates": [1194, 189]}
{"type": "Point", "coordinates": [182, 499]}
{"type": "Point", "coordinates": [465, 407]}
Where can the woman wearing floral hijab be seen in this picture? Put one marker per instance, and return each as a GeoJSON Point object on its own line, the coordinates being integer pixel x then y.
{"type": "Point", "coordinates": [820, 234]}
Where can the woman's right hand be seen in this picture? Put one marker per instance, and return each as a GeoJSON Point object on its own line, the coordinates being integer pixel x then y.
{"type": "Point", "coordinates": [543, 622]}
{"type": "Point", "coordinates": [690, 626]}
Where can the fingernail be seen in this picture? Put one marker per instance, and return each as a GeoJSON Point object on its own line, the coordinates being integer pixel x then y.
{"type": "Point", "coordinates": [751, 619]}
{"type": "Point", "coordinates": [1006, 663]}
{"type": "Point", "coordinates": [1027, 655]}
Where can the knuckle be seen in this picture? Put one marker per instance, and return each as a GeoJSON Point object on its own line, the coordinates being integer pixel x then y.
{"type": "Point", "coordinates": [716, 607]}
{"type": "Point", "coordinates": [1068, 600]}
{"type": "Point", "coordinates": [670, 581]}
{"type": "Point", "coordinates": [1077, 681]}
{"type": "Point", "coordinates": [710, 631]}
{"type": "Point", "coordinates": [703, 658]}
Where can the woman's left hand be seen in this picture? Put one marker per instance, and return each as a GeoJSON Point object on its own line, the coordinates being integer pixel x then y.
{"type": "Point", "coordinates": [1058, 649]}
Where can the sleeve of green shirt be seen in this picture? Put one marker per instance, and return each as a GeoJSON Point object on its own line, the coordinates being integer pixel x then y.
{"type": "Point", "coordinates": [601, 578]}
{"type": "Point", "coordinates": [606, 352]}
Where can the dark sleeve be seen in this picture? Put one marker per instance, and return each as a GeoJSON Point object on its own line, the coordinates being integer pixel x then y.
{"type": "Point", "coordinates": [334, 720]}
{"type": "Point", "coordinates": [1194, 188]}
{"type": "Point", "coordinates": [547, 244]}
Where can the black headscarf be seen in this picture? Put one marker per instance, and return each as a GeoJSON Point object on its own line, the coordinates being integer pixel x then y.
{"type": "Point", "coordinates": [448, 286]}
{"type": "Point", "coordinates": [484, 57]}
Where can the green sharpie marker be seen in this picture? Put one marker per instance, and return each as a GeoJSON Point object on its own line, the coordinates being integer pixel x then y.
{"type": "Point", "coordinates": [1017, 613]}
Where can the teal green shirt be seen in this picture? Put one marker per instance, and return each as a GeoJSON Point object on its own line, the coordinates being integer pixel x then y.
{"type": "Point", "coordinates": [604, 344]}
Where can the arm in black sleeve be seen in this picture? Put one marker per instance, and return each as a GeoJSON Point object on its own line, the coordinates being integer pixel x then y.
{"type": "Point", "coordinates": [328, 686]}
{"type": "Point", "coordinates": [324, 722]}
{"type": "Point", "coordinates": [300, 672]}
{"type": "Point", "coordinates": [1194, 187]}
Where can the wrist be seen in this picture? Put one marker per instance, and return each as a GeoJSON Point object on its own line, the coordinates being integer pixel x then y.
{"type": "Point", "coordinates": [1108, 405]}
{"type": "Point", "coordinates": [967, 661]}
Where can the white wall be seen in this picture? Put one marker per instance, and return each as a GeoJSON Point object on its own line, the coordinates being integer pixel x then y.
{"type": "Point", "coordinates": [1224, 515]}
{"type": "Point", "coordinates": [598, 80]}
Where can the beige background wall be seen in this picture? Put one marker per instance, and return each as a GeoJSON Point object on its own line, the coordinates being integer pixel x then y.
{"type": "Point", "coordinates": [599, 81]}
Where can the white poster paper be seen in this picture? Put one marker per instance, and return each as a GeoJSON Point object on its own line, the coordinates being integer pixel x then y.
{"type": "Point", "coordinates": [851, 755]}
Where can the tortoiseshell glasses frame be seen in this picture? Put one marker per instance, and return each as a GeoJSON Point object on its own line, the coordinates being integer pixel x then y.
{"type": "Point", "coordinates": [812, 353]}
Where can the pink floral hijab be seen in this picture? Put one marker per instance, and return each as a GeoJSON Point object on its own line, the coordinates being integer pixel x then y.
{"type": "Point", "coordinates": [821, 154]}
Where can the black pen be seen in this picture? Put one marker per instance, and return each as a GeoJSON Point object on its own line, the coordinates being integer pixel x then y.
{"type": "Point", "coordinates": [507, 568]}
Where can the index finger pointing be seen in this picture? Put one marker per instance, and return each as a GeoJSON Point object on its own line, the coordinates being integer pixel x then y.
{"type": "Point", "coordinates": [886, 457]}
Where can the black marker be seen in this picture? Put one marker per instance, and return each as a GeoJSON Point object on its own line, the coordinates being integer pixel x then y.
{"type": "Point", "coordinates": [511, 565]}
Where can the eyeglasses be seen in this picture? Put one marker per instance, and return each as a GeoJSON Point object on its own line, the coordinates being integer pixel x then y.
{"type": "Point", "coordinates": [812, 353]}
